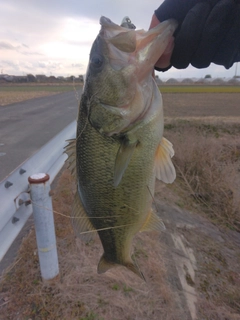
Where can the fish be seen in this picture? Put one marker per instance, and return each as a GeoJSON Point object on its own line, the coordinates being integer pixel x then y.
{"type": "Point", "coordinates": [119, 150]}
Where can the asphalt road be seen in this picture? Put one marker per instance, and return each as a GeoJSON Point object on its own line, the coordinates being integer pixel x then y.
{"type": "Point", "coordinates": [27, 126]}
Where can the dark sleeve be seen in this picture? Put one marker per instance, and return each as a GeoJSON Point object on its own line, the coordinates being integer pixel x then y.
{"type": "Point", "coordinates": [176, 9]}
{"type": "Point", "coordinates": [208, 31]}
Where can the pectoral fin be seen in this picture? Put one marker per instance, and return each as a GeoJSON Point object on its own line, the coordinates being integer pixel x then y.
{"type": "Point", "coordinates": [122, 160]}
{"type": "Point", "coordinates": [153, 223]}
{"type": "Point", "coordinates": [164, 168]}
{"type": "Point", "coordinates": [82, 226]}
{"type": "Point", "coordinates": [70, 150]}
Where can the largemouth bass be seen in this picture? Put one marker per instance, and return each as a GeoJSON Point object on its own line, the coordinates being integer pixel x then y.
{"type": "Point", "coordinates": [119, 149]}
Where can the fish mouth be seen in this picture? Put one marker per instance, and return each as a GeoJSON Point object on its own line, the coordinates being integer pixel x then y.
{"type": "Point", "coordinates": [130, 57]}
{"type": "Point", "coordinates": [139, 47]}
{"type": "Point", "coordinates": [152, 44]}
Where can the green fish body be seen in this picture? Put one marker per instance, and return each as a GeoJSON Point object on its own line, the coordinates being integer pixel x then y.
{"type": "Point", "coordinates": [120, 149]}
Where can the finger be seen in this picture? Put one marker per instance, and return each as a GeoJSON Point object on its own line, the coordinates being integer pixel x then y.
{"type": "Point", "coordinates": [154, 22]}
{"type": "Point", "coordinates": [164, 61]}
{"type": "Point", "coordinates": [229, 49]}
{"type": "Point", "coordinates": [188, 37]}
{"type": "Point", "coordinates": [172, 9]}
{"type": "Point", "coordinates": [216, 27]}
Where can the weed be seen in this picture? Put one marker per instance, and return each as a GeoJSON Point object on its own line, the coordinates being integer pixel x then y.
{"type": "Point", "coordinates": [101, 301]}
{"type": "Point", "coordinates": [115, 287]}
{"type": "Point", "coordinates": [127, 289]}
{"type": "Point", "coordinates": [207, 169]}
{"type": "Point", "coordinates": [35, 281]}
{"type": "Point", "coordinates": [180, 204]}
{"type": "Point", "coordinates": [90, 316]}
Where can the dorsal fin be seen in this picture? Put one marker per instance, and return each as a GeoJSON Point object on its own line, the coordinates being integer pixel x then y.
{"type": "Point", "coordinates": [164, 168]}
{"type": "Point", "coordinates": [70, 150]}
{"type": "Point", "coordinates": [80, 221]}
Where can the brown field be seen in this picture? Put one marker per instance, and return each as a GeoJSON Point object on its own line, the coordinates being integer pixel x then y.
{"type": "Point", "coordinates": [219, 106]}
{"type": "Point", "coordinates": [12, 93]}
{"type": "Point", "coordinates": [201, 208]}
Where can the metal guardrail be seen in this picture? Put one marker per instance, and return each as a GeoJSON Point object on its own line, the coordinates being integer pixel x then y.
{"type": "Point", "coordinates": [15, 207]}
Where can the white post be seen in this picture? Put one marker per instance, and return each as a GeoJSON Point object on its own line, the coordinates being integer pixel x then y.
{"type": "Point", "coordinates": [44, 225]}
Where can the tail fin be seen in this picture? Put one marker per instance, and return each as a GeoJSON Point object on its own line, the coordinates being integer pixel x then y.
{"type": "Point", "coordinates": [104, 265]}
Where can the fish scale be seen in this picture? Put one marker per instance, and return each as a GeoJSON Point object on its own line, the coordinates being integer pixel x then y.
{"type": "Point", "coordinates": [119, 146]}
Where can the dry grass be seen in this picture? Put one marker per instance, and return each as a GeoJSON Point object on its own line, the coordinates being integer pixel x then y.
{"type": "Point", "coordinates": [13, 93]}
{"type": "Point", "coordinates": [208, 162]}
{"type": "Point", "coordinates": [199, 89]}
{"type": "Point", "coordinates": [218, 274]}
{"type": "Point", "coordinates": [80, 292]}
{"type": "Point", "coordinates": [9, 98]}
{"type": "Point", "coordinates": [207, 159]}
{"type": "Point", "coordinates": [209, 311]}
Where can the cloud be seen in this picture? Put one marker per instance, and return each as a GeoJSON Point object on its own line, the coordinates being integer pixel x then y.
{"type": "Point", "coordinates": [31, 53]}
{"type": "Point", "coordinates": [8, 63]}
{"type": "Point", "coordinates": [7, 46]}
{"type": "Point", "coordinates": [58, 30]}
{"type": "Point", "coordinates": [115, 10]}
{"type": "Point", "coordinates": [56, 36]}
{"type": "Point", "coordinates": [49, 64]}
{"type": "Point", "coordinates": [85, 43]}
{"type": "Point", "coordinates": [77, 65]}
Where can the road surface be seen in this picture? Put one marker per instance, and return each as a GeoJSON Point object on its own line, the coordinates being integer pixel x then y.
{"type": "Point", "coordinates": [26, 126]}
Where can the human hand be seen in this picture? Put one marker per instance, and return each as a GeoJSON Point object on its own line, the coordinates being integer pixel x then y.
{"type": "Point", "coordinates": [164, 60]}
{"type": "Point", "coordinates": [209, 31]}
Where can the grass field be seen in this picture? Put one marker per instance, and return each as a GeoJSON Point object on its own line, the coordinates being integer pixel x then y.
{"type": "Point", "coordinates": [36, 88]}
{"type": "Point", "coordinates": [13, 93]}
{"type": "Point", "coordinates": [199, 89]}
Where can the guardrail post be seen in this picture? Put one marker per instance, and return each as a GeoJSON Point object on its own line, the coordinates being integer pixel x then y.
{"type": "Point", "coordinates": [44, 225]}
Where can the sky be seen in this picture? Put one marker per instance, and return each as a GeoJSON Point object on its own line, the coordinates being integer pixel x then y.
{"type": "Point", "coordinates": [54, 37]}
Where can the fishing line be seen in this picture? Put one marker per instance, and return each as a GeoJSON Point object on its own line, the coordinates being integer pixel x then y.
{"type": "Point", "coordinates": [63, 215]}
{"type": "Point", "coordinates": [107, 228]}
{"type": "Point", "coordinates": [90, 231]}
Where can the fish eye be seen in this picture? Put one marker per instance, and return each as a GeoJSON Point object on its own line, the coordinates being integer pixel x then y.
{"type": "Point", "coordinates": [96, 61]}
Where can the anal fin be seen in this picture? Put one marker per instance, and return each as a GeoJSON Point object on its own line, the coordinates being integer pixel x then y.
{"type": "Point", "coordinates": [82, 226]}
{"type": "Point", "coordinates": [153, 223]}
{"type": "Point", "coordinates": [164, 168]}
{"type": "Point", "coordinates": [70, 150]}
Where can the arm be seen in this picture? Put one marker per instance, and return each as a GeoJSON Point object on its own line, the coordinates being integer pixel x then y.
{"type": "Point", "coordinates": [209, 31]}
